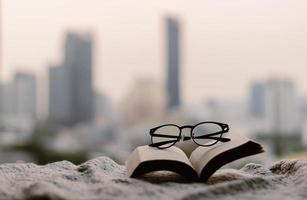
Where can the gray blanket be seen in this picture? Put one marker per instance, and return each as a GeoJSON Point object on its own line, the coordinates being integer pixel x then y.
{"type": "Point", "coordinates": [102, 178]}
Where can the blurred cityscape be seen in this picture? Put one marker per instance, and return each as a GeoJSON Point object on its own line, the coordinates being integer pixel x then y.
{"type": "Point", "coordinates": [83, 123]}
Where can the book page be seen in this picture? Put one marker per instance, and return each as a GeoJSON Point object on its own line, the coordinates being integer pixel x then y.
{"type": "Point", "coordinates": [202, 155]}
{"type": "Point", "coordinates": [187, 146]}
{"type": "Point", "coordinates": [146, 153]}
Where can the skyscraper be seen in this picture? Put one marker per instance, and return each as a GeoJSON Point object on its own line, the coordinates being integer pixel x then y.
{"type": "Point", "coordinates": [173, 63]}
{"type": "Point", "coordinates": [71, 93]}
{"type": "Point", "coordinates": [59, 95]}
{"type": "Point", "coordinates": [19, 98]}
{"type": "Point", "coordinates": [281, 109]}
{"type": "Point", "coordinates": [25, 96]}
{"type": "Point", "coordinates": [256, 101]}
{"type": "Point", "coordinates": [78, 58]}
{"type": "Point", "coordinates": [8, 100]}
{"type": "Point", "coordinates": [1, 90]}
{"type": "Point", "coordinates": [1, 44]}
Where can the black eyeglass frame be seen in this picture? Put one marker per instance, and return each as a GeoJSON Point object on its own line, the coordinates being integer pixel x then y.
{"type": "Point", "coordinates": [224, 129]}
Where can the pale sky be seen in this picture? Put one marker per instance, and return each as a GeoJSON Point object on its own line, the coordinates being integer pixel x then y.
{"type": "Point", "coordinates": [225, 43]}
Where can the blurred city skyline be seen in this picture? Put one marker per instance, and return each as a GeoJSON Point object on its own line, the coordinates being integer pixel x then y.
{"type": "Point", "coordinates": [225, 45]}
{"type": "Point", "coordinates": [81, 79]}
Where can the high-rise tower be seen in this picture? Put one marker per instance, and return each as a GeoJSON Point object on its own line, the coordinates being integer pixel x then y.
{"type": "Point", "coordinates": [71, 92]}
{"type": "Point", "coordinates": [257, 101]}
{"type": "Point", "coordinates": [173, 63]}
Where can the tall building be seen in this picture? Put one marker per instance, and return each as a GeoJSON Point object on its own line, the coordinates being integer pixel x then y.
{"type": "Point", "coordinates": [78, 58]}
{"type": "Point", "coordinates": [0, 38]}
{"type": "Point", "coordinates": [25, 95]}
{"type": "Point", "coordinates": [1, 60]}
{"type": "Point", "coordinates": [19, 98]}
{"type": "Point", "coordinates": [173, 63]}
{"type": "Point", "coordinates": [8, 100]}
{"type": "Point", "coordinates": [281, 107]}
{"type": "Point", "coordinates": [59, 95]}
{"type": "Point", "coordinates": [256, 101]}
{"type": "Point", "coordinates": [71, 93]}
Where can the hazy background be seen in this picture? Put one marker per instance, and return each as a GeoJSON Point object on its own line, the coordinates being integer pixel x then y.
{"type": "Point", "coordinates": [223, 41]}
{"type": "Point", "coordinates": [226, 48]}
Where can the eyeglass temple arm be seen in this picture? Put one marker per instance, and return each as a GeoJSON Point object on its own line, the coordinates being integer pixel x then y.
{"type": "Point", "coordinates": [220, 139]}
{"type": "Point", "coordinates": [157, 144]}
{"type": "Point", "coordinates": [209, 136]}
{"type": "Point", "coordinates": [165, 136]}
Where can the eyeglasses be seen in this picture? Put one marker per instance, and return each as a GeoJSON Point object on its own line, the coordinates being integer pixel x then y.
{"type": "Point", "coordinates": [203, 134]}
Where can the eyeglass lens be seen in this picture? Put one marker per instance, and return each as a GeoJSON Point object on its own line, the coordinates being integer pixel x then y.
{"type": "Point", "coordinates": [166, 136]}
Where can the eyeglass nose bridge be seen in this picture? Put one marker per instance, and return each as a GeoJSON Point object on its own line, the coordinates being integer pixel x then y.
{"type": "Point", "coordinates": [183, 137]}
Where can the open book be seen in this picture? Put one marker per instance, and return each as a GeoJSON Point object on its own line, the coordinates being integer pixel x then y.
{"type": "Point", "coordinates": [202, 163]}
